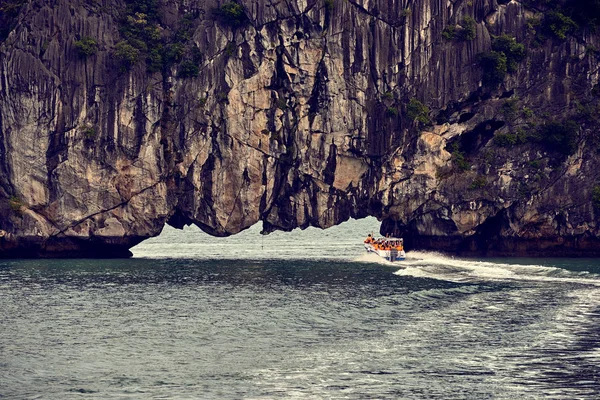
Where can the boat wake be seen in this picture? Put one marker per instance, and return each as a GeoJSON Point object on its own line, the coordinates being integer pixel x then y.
{"type": "Point", "coordinates": [437, 266]}
{"type": "Point", "coordinates": [373, 258]}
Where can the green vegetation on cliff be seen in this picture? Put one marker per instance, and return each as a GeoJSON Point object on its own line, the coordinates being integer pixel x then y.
{"type": "Point", "coordinates": [554, 136]}
{"type": "Point", "coordinates": [231, 14]}
{"type": "Point", "coordinates": [504, 58]}
{"type": "Point", "coordinates": [141, 32]}
{"type": "Point", "coordinates": [514, 52]}
{"type": "Point", "coordinates": [558, 24]}
{"type": "Point", "coordinates": [564, 17]}
{"type": "Point", "coordinates": [494, 64]}
{"type": "Point", "coordinates": [467, 30]}
{"type": "Point", "coordinates": [127, 54]}
{"type": "Point", "coordinates": [596, 197]}
{"type": "Point", "coordinates": [510, 139]}
{"type": "Point", "coordinates": [145, 38]}
{"type": "Point", "coordinates": [459, 158]}
{"type": "Point", "coordinates": [87, 46]}
{"type": "Point", "coordinates": [560, 137]}
{"type": "Point", "coordinates": [417, 111]}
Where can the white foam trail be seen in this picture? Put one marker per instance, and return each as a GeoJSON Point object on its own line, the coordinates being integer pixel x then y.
{"type": "Point", "coordinates": [373, 258]}
{"type": "Point", "coordinates": [438, 266]}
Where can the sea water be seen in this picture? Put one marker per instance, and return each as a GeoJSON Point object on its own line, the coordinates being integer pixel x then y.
{"type": "Point", "coordinates": [299, 315]}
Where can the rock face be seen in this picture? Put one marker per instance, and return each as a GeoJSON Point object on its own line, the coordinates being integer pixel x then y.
{"type": "Point", "coordinates": [302, 113]}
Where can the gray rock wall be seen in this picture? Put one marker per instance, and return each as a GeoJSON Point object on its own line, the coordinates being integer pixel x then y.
{"type": "Point", "coordinates": [296, 118]}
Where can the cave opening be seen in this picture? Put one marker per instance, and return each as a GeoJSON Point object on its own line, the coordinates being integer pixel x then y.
{"type": "Point", "coordinates": [343, 241]}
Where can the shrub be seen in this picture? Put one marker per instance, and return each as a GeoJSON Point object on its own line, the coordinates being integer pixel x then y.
{"type": "Point", "coordinates": [559, 24]}
{"type": "Point", "coordinates": [88, 131]}
{"type": "Point", "coordinates": [494, 67]}
{"type": "Point", "coordinates": [505, 55]}
{"type": "Point", "coordinates": [173, 53]}
{"type": "Point", "coordinates": [196, 54]}
{"type": "Point", "coordinates": [535, 164]}
{"type": "Point", "coordinates": [231, 14]}
{"type": "Point", "coordinates": [15, 204]}
{"type": "Point", "coordinates": [148, 7]}
{"type": "Point", "coordinates": [137, 26]}
{"type": "Point", "coordinates": [459, 159]}
{"type": "Point", "coordinates": [533, 23]}
{"type": "Point", "coordinates": [184, 33]}
{"type": "Point", "coordinates": [141, 31]}
{"type": "Point", "coordinates": [596, 197]}
{"type": "Point", "coordinates": [507, 44]}
{"type": "Point", "coordinates": [585, 12]}
{"type": "Point", "coordinates": [87, 46]}
{"type": "Point", "coordinates": [478, 183]}
{"type": "Point", "coordinates": [558, 137]}
{"type": "Point", "coordinates": [469, 30]}
{"type": "Point", "coordinates": [155, 59]}
{"type": "Point", "coordinates": [591, 50]}
{"type": "Point", "coordinates": [126, 54]}
{"type": "Point", "coordinates": [11, 6]}
{"type": "Point", "coordinates": [188, 69]}
{"type": "Point", "coordinates": [449, 32]}
{"type": "Point", "coordinates": [138, 44]}
{"type": "Point", "coordinates": [505, 139]}
{"type": "Point", "coordinates": [514, 52]}
{"type": "Point", "coordinates": [509, 108]}
{"type": "Point", "coordinates": [418, 111]}
{"type": "Point", "coordinates": [563, 17]}
{"type": "Point", "coordinates": [510, 139]}
{"type": "Point", "coordinates": [587, 111]}
{"type": "Point", "coordinates": [524, 191]}
{"type": "Point", "coordinates": [391, 112]}
{"type": "Point", "coordinates": [142, 36]}
{"type": "Point", "coordinates": [145, 39]}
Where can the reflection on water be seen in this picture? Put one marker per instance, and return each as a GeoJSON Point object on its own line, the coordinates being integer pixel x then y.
{"type": "Point", "coordinates": [178, 322]}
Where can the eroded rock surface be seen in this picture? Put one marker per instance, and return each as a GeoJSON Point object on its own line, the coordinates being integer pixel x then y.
{"type": "Point", "coordinates": [299, 116]}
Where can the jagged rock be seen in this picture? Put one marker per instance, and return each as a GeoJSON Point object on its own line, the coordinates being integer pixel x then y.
{"type": "Point", "coordinates": [298, 117]}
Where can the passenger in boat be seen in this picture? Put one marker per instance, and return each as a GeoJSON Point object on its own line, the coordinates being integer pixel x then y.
{"type": "Point", "coordinates": [369, 239]}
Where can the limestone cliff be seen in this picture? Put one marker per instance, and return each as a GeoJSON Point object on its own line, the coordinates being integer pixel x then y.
{"type": "Point", "coordinates": [448, 120]}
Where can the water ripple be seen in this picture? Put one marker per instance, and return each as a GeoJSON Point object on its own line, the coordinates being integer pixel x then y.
{"type": "Point", "coordinates": [302, 328]}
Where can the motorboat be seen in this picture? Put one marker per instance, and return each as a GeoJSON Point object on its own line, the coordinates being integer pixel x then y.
{"type": "Point", "coordinates": [388, 248]}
